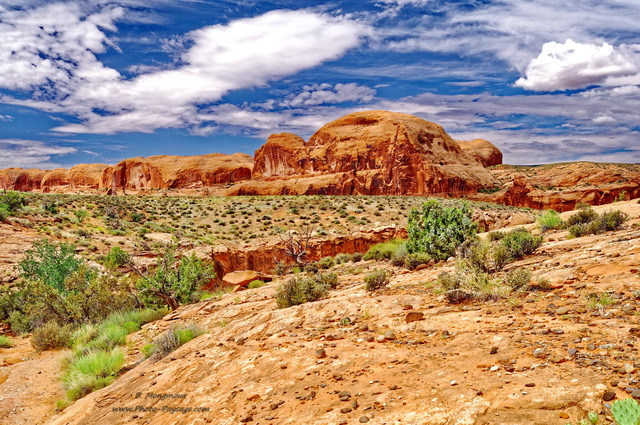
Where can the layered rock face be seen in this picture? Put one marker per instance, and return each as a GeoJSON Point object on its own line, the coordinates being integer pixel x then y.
{"type": "Point", "coordinates": [563, 186]}
{"type": "Point", "coordinates": [282, 155]}
{"type": "Point", "coordinates": [368, 153]}
{"type": "Point", "coordinates": [372, 153]}
{"type": "Point", "coordinates": [156, 172]}
{"type": "Point", "coordinates": [171, 172]}
{"type": "Point", "coordinates": [24, 180]}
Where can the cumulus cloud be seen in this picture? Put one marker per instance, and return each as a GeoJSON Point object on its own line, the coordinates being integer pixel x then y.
{"type": "Point", "coordinates": [6, 118]}
{"type": "Point", "coordinates": [572, 65]}
{"type": "Point", "coordinates": [53, 48]}
{"type": "Point", "coordinates": [513, 30]}
{"type": "Point", "coordinates": [318, 94]}
{"type": "Point", "coordinates": [30, 153]}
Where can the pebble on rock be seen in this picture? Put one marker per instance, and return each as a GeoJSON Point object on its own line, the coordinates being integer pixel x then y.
{"type": "Point", "coordinates": [321, 353]}
{"type": "Point", "coordinates": [414, 316]}
{"type": "Point", "coordinates": [608, 396]}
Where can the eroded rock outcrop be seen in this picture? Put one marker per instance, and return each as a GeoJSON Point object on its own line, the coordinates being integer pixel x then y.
{"type": "Point", "coordinates": [369, 153]}
{"type": "Point", "coordinates": [25, 180]}
{"type": "Point", "coordinates": [483, 151]}
{"type": "Point", "coordinates": [373, 153]}
{"type": "Point", "coordinates": [563, 186]}
{"type": "Point", "coordinates": [172, 172]}
{"type": "Point", "coordinates": [282, 155]}
{"type": "Point", "coordinates": [86, 176]}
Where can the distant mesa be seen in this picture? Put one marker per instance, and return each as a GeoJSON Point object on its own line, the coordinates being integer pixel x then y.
{"type": "Point", "coordinates": [369, 153]}
{"type": "Point", "coordinates": [375, 152]}
{"type": "Point", "coordinates": [364, 153]}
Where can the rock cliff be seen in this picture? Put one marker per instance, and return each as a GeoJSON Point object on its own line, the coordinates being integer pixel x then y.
{"type": "Point", "coordinates": [372, 153]}
{"type": "Point", "coordinates": [177, 172]}
{"type": "Point", "coordinates": [563, 186]}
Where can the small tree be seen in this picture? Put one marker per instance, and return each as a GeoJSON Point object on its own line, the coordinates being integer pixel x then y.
{"type": "Point", "coordinates": [57, 286]}
{"type": "Point", "coordinates": [50, 263]}
{"type": "Point", "coordinates": [174, 281]}
{"type": "Point", "coordinates": [438, 230]}
{"type": "Point", "coordinates": [295, 244]}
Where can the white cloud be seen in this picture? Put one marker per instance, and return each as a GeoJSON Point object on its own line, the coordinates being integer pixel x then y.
{"type": "Point", "coordinates": [604, 119]}
{"type": "Point", "coordinates": [514, 30]}
{"type": "Point", "coordinates": [318, 94]}
{"type": "Point", "coordinates": [50, 48]}
{"type": "Point", "coordinates": [6, 118]}
{"type": "Point", "coordinates": [59, 67]}
{"type": "Point", "coordinates": [30, 153]}
{"type": "Point", "coordinates": [574, 65]}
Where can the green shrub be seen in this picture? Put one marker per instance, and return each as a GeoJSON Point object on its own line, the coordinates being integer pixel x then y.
{"type": "Point", "coordinates": [495, 235]}
{"type": "Point", "coordinates": [5, 342]}
{"type": "Point", "coordinates": [81, 215]}
{"type": "Point", "coordinates": [520, 242]}
{"type": "Point", "coordinates": [174, 281]}
{"type": "Point", "coordinates": [326, 262]}
{"type": "Point", "coordinates": [298, 291]}
{"type": "Point", "coordinates": [411, 261]}
{"type": "Point", "coordinates": [91, 371]}
{"type": "Point", "coordinates": [50, 336]}
{"type": "Point", "coordinates": [518, 279]}
{"type": "Point", "coordinates": [50, 263]}
{"type": "Point", "coordinates": [400, 255]}
{"type": "Point", "coordinates": [20, 322]}
{"type": "Point", "coordinates": [108, 337]}
{"type": "Point", "coordinates": [357, 257]}
{"type": "Point", "coordinates": [171, 339]}
{"type": "Point", "coordinates": [385, 251]}
{"type": "Point", "coordinates": [327, 279]}
{"type": "Point", "coordinates": [437, 230]}
{"type": "Point", "coordinates": [50, 206]}
{"type": "Point", "coordinates": [312, 267]}
{"type": "Point", "coordinates": [117, 257]}
{"type": "Point", "coordinates": [584, 215]}
{"type": "Point", "coordinates": [605, 222]}
{"type": "Point", "coordinates": [83, 335]}
{"type": "Point", "coordinates": [579, 230]}
{"type": "Point", "coordinates": [343, 258]}
{"type": "Point", "coordinates": [485, 256]}
{"type": "Point", "coordinates": [13, 200]}
{"type": "Point", "coordinates": [4, 212]}
{"type": "Point", "coordinates": [550, 219]}
{"type": "Point", "coordinates": [470, 285]}
{"type": "Point", "coordinates": [377, 279]}
{"type": "Point", "coordinates": [256, 284]}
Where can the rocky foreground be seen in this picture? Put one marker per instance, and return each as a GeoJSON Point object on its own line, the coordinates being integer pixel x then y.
{"type": "Point", "coordinates": [398, 356]}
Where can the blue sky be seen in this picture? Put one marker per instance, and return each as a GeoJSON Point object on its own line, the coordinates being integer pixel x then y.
{"type": "Point", "coordinates": [103, 80]}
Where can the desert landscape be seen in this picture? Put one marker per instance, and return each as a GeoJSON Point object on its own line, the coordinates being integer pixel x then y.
{"type": "Point", "coordinates": [386, 212]}
{"type": "Point", "coordinates": [331, 281]}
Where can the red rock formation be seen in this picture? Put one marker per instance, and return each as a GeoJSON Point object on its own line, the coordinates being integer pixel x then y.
{"type": "Point", "coordinates": [562, 186]}
{"type": "Point", "coordinates": [374, 153]}
{"type": "Point", "coordinates": [170, 172]}
{"type": "Point", "coordinates": [483, 151]}
{"type": "Point", "coordinates": [281, 155]}
{"type": "Point", "coordinates": [86, 176]}
{"type": "Point", "coordinates": [24, 180]}
{"type": "Point", "coordinates": [262, 258]}
{"type": "Point", "coordinates": [56, 178]}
